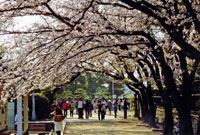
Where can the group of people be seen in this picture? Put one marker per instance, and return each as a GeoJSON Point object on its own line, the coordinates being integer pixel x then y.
{"type": "Point", "coordinates": [79, 105]}
{"type": "Point", "coordinates": [66, 105]}
{"type": "Point", "coordinates": [84, 105]}
{"type": "Point", "coordinates": [115, 105]}
{"type": "Point", "coordinates": [88, 106]}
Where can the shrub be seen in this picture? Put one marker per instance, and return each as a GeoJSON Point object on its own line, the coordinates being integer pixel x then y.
{"type": "Point", "coordinates": [42, 107]}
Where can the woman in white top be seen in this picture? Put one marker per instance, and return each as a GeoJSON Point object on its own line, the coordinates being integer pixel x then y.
{"type": "Point", "coordinates": [80, 109]}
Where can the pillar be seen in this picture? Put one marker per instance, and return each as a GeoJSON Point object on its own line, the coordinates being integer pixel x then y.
{"type": "Point", "coordinates": [33, 106]}
{"type": "Point", "coordinates": [19, 116]}
{"type": "Point", "coordinates": [26, 113]}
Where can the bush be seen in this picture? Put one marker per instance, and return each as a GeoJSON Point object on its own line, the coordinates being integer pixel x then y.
{"type": "Point", "coordinates": [42, 107]}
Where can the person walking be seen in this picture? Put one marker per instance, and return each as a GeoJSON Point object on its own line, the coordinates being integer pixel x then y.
{"type": "Point", "coordinates": [103, 108]}
{"type": "Point", "coordinates": [119, 104]}
{"type": "Point", "coordinates": [122, 103]}
{"type": "Point", "coordinates": [76, 104]}
{"type": "Point", "coordinates": [58, 125]}
{"type": "Point", "coordinates": [59, 103]}
{"type": "Point", "coordinates": [80, 109]}
{"type": "Point", "coordinates": [87, 109]}
{"type": "Point", "coordinates": [115, 107]}
{"type": "Point", "coordinates": [125, 108]}
{"type": "Point", "coordinates": [71, 108]}
{"type": "Point", "coordinates": [90, 108]}
{"type": "Point", "coordinates": [109, 107]}
{"type": "Point", "coordinates": [99, 109]}
{"type": "Point", "coordinates": [65, 107]}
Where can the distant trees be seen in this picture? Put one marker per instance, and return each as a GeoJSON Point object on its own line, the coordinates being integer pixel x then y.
{"type": "Point", "coordinates": [80, 93]}
{"type": "Point", "coordinates": [87, 85]}
{"type": "Point", "coordinates": [103, 92]}
{"type": "Point", "coordinates": [65, 94]}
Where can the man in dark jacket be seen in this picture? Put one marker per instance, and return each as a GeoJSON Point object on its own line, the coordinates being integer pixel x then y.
{"type": "Point", "coordinates": [125, 108]}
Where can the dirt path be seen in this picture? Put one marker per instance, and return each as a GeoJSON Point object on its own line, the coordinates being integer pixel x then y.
{"type": "Point", "coordinates": [110, 126]}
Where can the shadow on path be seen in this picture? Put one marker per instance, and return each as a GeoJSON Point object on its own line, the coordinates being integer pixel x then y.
{"type": "Point", "coordinates": [110, 126]}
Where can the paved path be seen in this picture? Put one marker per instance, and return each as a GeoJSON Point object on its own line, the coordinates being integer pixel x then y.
{"type": "Point", "coordinates": [110, 126]}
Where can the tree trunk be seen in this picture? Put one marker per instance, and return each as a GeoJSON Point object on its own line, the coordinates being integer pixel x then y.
{"type": "Point", "coordinates": [151, 107]}
{"type": "Point", "coordinates": [136, 105]}
{"type": "Point", "coordinates": [145, 114]}
{"type": "Point", "coordinates": [144, 111]}
{"type": "Point", "coordinates": [152, 115]}
{"type": "Point", "coordinates": [168, 120]}
{"type": "Point", "coordinates": [198, 127]}
{"type": "Point", "coordinates": [185, 122]}
{"type": "Point", "coordinates": [144, 105]}
{"type": "Point", "coordinates": [184, 109]}
{"type": "Point", "coordinates": [139, 106]}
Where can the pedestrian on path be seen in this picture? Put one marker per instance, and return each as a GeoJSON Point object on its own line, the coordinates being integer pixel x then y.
{"type": "Point", "coordinates": [76, 104]}
{"type": "Point", "coordinates": [99, 105]}
{"type": "Point", "coordinates": [109, 106]}
{"type": "Point", "coordinates": [90, 108]}
{"type": "Point", "coordinates": [103, 108]}
{"type": "Point", "coordinates": [125, 108]}
{"type": "Point", "coordinates": [119, 104]}
{"type": "Point", "coordinates": [71, 108]}
{"type": "Point", "coordinates": [57, 125]}
{"type": "Point", "coordinates": [115, 107]}
{"type": "Point", "coordinates": [59, 103]}
{"type": "Point", "coordinates": [80, 109]}
{"type": "Point", "coordinates": [87, 109]}
{"type": "Point", "coordinates": [65, 107]}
